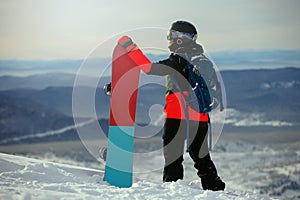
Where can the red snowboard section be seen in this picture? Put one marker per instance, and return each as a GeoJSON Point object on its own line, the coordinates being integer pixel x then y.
{"type": "Point", "coordinates": [128, 60]}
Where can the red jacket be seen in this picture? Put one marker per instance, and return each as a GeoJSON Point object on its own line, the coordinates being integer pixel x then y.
{"type": "Point", "coordinates": [175, 106]}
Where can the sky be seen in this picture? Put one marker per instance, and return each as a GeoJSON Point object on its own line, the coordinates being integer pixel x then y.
{"type": "Point", "coordinates": [61, 29]}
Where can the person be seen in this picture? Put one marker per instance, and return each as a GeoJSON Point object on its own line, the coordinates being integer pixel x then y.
{"type": "Point", "coordinates": [182, 40]}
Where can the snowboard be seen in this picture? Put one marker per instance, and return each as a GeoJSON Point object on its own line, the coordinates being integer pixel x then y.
{"type": "Point", "coordinates": [127, 61]}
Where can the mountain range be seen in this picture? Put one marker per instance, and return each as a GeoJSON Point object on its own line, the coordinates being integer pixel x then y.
{"type": "Point", "coordinates": [39, 103]}
{"type": "Point", "coordinates": [225, 60]}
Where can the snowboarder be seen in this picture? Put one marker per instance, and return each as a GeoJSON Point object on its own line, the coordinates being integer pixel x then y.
{"type": "Point", "coordinates": [182, 39]}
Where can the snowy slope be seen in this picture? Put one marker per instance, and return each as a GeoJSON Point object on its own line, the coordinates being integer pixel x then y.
{"type": "Point", "coordinates": [27, 178]}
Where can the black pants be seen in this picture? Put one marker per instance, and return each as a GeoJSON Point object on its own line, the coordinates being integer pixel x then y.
{"type": "Point", "coordinates": [173, 140]}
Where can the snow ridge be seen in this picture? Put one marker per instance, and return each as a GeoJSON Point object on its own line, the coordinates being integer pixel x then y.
{"type": "Point", "coordinates": [47, 133]}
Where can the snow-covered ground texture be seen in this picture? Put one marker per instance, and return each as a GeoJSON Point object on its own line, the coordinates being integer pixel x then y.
{"type": "Point", "coordinates": [251, 171]}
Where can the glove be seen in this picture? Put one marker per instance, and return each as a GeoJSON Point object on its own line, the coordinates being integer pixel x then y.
{"type": "Point", "coordinates": [135, 54]}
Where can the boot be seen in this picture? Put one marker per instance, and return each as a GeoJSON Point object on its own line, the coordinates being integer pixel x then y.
{"type": "Point", "coordinates": [172, 175]}
{"type": "Point", "coordinates": [213, 183]}
{"type": "Point", "coordinates": [174, 171]}
{"type": "Point", "coordinates": [208, 174]}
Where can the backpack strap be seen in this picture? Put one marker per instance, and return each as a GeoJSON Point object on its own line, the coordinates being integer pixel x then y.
{"type": "Point", "coordinates": [190, 59]}
{"type": "Point", "coordinates": [186, 112]}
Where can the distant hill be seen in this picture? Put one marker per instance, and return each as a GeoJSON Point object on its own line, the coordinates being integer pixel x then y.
{"type": "Point", "coordinates": [225, 60]}
{"type": "Point", "coordinates": [21, 117]}
{"type": "Point", "coordinates": [258, 59]}
{"type": "Point", "coordinates": [58, 98]}
{"type": "Point", "coordinates": [41, 81]}
{"type": "Point", "coordinates": [270, 91]}
{"type": "Point", "coordinates": [268, 99]}
{"type": "Point", "coordinates": [273, 92]}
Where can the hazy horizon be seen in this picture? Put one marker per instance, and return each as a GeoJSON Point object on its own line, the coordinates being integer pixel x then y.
{"type": "Point", "coordinates": [224, 60]}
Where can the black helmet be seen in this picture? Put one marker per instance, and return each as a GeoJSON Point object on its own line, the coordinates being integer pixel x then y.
{"type": "Point", "coordinates": [183, 33]}
{"type": "Point", "coordinates": [183, 30]}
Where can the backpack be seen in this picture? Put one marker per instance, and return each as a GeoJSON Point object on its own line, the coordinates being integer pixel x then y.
{"type": "Point", "coordinates": [205, 91]}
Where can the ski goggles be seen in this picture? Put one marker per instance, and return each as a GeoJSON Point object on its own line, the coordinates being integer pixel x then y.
{"type": "Point", "coordinates": [176, 34]}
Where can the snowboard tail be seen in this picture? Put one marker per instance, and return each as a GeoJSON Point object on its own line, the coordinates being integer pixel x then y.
{"type": "Point", "coordinates": [118, 169]}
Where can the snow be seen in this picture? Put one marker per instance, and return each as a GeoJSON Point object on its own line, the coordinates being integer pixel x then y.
{"type": "Point", "coordinates": [28, 178]}
{"type": "Point", "coordinates": [250, 170]}
{"type": "Point", "coordinates": [280, 84]}
{"type": "Point", "coordinates": [25, 178]}
{"type": "Point", "coordinates": [241, 119]}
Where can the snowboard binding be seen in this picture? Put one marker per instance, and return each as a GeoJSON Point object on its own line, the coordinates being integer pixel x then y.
{"type": "Point", "coordinates": [107, 89]}
{"type": "Point", "coordinates": [103, 153]}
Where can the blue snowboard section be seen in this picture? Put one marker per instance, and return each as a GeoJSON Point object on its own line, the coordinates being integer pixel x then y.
{"type": "Point", "coordinates": [118, 169]}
